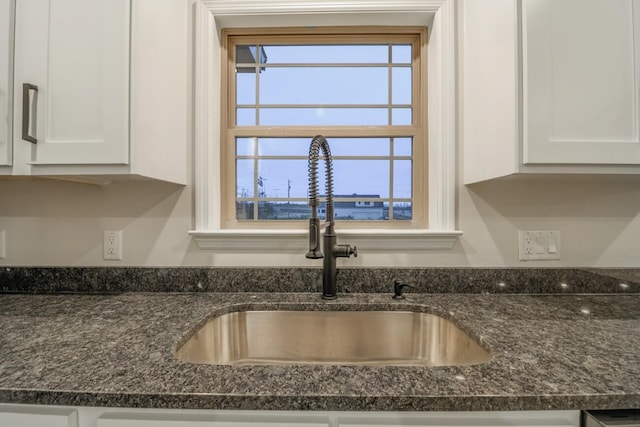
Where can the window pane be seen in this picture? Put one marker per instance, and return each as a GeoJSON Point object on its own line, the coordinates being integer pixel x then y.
{"type": "Point", "coordinates": [283, 178]}
{"type": "Point", "coordinates": [284, 210]}
{"type": "Point", "coordinates": [401, 54]}
{"type": "Point", "coordinates": [401, 85]}
{"type": "Point", "coordinates": [246, 88]}
{"type": "Point", "coordinates": [246, 57]}
{"type": "Point", "coordinates": [360, 146]}
{"type": "Point", "coordinates": [401, 116]}
{"type": "Point", "coordinates": [265, 210]}
{"type": "Point", "coordinates": [402, 211]}
{"type": "Point", "coordinates": [327, 85]}
{"type": "Point", "coordinates": [323, 116]}
{"type": "Point", "coordinates": [244, 146]}
{"type": "Point", "coordinates": [365, 178]}
{"type": "Point", "coordinates": [402, 179]}
{"type": "Point", "coordinates": [245, 116]}
{"type": "Point", "coordinates": [361, 210]}
{"type": "Point", "coordinates": [402, 147]}
{"type": "Point", "coordinates": [284, 146]}
{"type": "Point", "coordinates": [347, 54]}
{"type": "Point", "coordinates": [244, 178]}
{"type": "Point", "coordinates": [339, 146]}
{"type": "Point", "coordinates": [244, 209]}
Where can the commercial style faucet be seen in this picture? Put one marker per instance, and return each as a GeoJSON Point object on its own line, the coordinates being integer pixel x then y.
{"type": "Point", "coordinates": [331, 248]}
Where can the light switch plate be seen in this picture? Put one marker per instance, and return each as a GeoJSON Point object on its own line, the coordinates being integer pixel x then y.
{"type": "Point", "coordinates": [539, 245]}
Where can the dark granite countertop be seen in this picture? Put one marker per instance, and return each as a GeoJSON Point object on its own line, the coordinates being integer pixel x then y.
{"type": "Point", "coordinates": [563, 351]}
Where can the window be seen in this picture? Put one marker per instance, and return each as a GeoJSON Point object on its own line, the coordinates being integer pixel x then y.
{"type": "Point", "coordinates": [360, 88]}
{"type": "Point", "coordinates": [211, 18]}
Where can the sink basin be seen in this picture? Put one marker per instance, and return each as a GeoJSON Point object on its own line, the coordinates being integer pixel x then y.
{"type": "Point", "coordinates": [398, 338]}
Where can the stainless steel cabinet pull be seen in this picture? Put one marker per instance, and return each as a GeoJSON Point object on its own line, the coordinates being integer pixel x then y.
{"type": "Point", "coordinates": [26, 110]}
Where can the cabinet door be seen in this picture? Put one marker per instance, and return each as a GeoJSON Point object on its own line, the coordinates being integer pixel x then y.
{"type": "Point", "coordinates": [38, 417]}
{"type": "Point", "coordinates": [581, 81]}
{"type": "Point", "coordinates": [463, 419]}
{"type": "Point", "coordinates": [6, 43]}
{"type": "Point", "coordinates": [77, 55]}
{"type": "Point", "coordinates": [239, 419]}
{"type": "Point", "coordinates": [185, 422]}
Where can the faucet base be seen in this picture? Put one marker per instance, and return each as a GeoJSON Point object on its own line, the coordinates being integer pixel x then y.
{"type": "Point", "coordinates": [329, 297]}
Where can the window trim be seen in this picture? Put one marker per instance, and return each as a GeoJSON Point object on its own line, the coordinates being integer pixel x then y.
{"type": "Point", "coordinates": [438, 15]}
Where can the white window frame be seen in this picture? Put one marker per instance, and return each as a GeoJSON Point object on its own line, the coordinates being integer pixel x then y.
{"type": "Point", "coordinates": [213, 15]}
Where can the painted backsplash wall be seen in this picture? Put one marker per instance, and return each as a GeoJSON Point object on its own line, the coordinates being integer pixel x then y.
{"type": "Point", "coordinates": [54, 223]}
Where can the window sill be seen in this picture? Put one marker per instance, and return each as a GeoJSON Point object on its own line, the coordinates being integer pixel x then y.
{"type": "Point", "coordinates": [296, 240]}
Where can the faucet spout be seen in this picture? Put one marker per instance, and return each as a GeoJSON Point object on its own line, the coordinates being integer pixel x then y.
{"type": "Point", "coordinates": [331, 248]}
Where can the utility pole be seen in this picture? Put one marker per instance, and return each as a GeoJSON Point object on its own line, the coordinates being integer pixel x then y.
{"type": "Point", "coordinates": [288, 198]}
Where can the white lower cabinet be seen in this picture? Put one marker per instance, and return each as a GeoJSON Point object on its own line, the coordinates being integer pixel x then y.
{"type": "Point", "coordinates": [51, 416]}
{"type": "Point", "coordinates": [213, 419]}
{"type": "Point", "coordinates": [37, 416]}
{"type": "Point", "coordinates": [462, 419]}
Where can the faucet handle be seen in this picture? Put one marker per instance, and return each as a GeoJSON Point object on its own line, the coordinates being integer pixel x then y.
{"type": "Point", "coordinates": [345, 251]}
{"type": "Point", "coordinates": [314, 239]}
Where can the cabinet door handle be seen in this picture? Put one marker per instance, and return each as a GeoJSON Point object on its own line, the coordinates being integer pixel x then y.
{"type": "Point", "coordinates": [26, 110]}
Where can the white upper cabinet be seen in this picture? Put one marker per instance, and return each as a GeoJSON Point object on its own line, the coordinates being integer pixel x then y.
{"type": "Point", "coordinates": [6, 43]}
{"type": "Point", "coordinates": [550, 87]}
{"type": "Point", "coordinates": [74, 57]}
{"type": "Point", "coordinates": [581, 81]}
{"type": "Point", "coordinates": [100, 89]}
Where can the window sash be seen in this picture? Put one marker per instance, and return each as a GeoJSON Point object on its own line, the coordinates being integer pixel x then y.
{"type": "Point", "coordinates": [416, 131]}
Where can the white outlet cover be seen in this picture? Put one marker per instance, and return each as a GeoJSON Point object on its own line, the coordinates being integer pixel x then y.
{"type": "Point", "coordinates": [112, 245]}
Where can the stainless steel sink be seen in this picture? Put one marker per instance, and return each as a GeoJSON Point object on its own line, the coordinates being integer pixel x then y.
{"type": "Point", "coordinates": [398, 338]}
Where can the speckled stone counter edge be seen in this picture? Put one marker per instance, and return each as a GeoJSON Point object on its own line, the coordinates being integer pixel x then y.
{"type": "Point", "coordinates": [317, 403]}
{"type": "Point", "coordinates": [283, 279]}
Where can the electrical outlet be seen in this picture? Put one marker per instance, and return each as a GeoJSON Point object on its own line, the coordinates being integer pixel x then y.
{"type": "Point", "coordinates": [538, 245]}
{"type": "Point", "coordinates": [528, 243]}
{"type": "Point", "coordinates": [112, 245]}
{"type": "Point", "coordinates": [3, 244]}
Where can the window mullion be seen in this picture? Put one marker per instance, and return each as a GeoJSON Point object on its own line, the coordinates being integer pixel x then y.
{"type": "Point", "coordinates": [390, 100]}
{"type": "Point", "coordinates": [391, 166]}
{"type": "Point", "coordinates": [256, 177]}
{"type": "Point", "coordinates": [257, 95]}
{"type": "Point", "coordinates": [389, 86]}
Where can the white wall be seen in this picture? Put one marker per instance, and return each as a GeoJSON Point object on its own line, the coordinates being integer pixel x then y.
{"type": "Point", "coordinates": [54, 223]}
